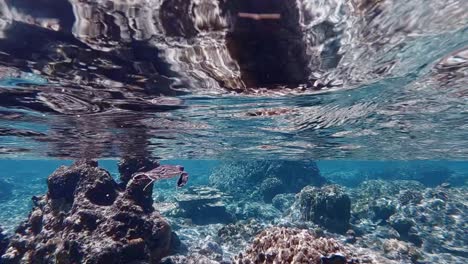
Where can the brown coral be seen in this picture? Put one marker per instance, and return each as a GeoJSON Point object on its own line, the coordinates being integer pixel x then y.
{"type": "Point", "coordinates": [292, 245]}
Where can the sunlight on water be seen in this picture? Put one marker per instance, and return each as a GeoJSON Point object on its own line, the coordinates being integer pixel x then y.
{"type": "Point", "coordinates": [113, 78]}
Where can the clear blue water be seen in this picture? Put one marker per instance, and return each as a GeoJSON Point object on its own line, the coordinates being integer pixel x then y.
{"type": "Point", "coordinates": [374, 92]}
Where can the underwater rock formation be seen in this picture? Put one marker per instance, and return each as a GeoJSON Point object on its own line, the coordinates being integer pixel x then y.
{"type": "Point", "coordinates": [283, 201]}
{"type": "Point", "coordinates": [239, 232]}
{"type": "Point", "coordinates": [270, 187]}
{"type": "Point", "coordinates": [424, 222]}
{"type": "Point", "coordinates": [265, 179]}
{"type": "Point", "coordinates": [394, 249]}
{"type": "Point", "coordinates": [3, 242]}
{"type": "Point", "coordinates": [245, 210]}
{"type": "Point", "coordinates": [328, 206]}
{"type": "Point", "coordinates": [203, 205]}
{"type": "Point", "coordinates": [291, 245]}
{"type": "Point", "coordinates": [86, 218]}
{"type": "Point", "coordinates": [374, 199]}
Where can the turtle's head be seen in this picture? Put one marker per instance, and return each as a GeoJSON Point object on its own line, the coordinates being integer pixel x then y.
{"type": "Point", "coordinates": [182, 179]}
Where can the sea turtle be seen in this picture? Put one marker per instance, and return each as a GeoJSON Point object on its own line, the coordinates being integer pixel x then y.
{"type": "Point", "coordinates": [165, 172]}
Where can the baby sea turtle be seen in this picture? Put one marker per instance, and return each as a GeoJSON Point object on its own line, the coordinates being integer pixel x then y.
{"type": "Point", "coordinates": [165, 172]}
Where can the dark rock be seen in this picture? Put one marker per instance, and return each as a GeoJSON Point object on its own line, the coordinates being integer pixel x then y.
{"type": "Point", "coordinates": [333, 259]}
{"type": "Point", "coordinates": [283, 201]}
{"type": "Point", "coordinates": [3, 242]}
{"type": "Point", "coordinates": [407, 229]}
{"type": "Point", "coordinates": [140, 192]}
{"type": "Point", "coordinates": [128, 166]}
{"type": "Point", "coordinates": [271, 187]}
{"type": "Point", "coordinates": [410, 197]}
{"type": "Point", "coordinates": [86, 218]}
{"type": "Point", "coordinates": [402, 225]}
{"type": "Point", "coordinates": [241, 178]}
{"type": "Point", "coordinates": [328, 206]}
{"type": "Point", "coordinates": [382, 209]}
{"type": "Point", "coordinates": [203, 205]}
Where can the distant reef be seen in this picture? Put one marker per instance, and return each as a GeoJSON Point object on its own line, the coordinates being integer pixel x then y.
{"type": "Point", "coordinates": [266, 178]}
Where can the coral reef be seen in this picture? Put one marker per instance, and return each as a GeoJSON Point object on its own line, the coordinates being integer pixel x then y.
{"type": "Point", "coordinates": [374, 199]}
{"type": "Point", "coordinates": [429, 174]}
{"type": "Point", "coordinates": [248, 209]}
{"type": "Point", "coordinates": [203, 205]}
{"type": "Point", "coordinates": [283, 201]}
{"type": "Point", "coordinates": [395, 249]}
{"type": "Point", "coordinates": [265, 178]}
{"type": "Point", "coordinates": [290, 245]}
{"type": "Point", "coordinates": [240, 232]}
{"type": "Point", "coordinates": [86, 218]}
{"type": "Point", "coordinates": [213, 243]}
{"type": "Point", "coordinates": [328, 206]}
{"type": "Point", "coordinates": [270, 187]}
{"type": "Point", "coordinates": [423, 224]}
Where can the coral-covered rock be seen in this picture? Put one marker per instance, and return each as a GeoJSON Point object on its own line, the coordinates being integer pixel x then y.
{"type": "Point", "coordinates": [328, 206]}
{"type": "Point", "coordinates": [271, 187]}
{"type": "Point", "coordinates": [86, 218]}
{"type": "Point", "coordinates": [291, 245]}
{"type": "Point", "coordinates": [283, 201]}
{"type": "Point", "coordinates": [432, 220]}
{"type": "Point", "coordinates": [399, 250]}
{"type": "Point", "coordinates": [410, 197]}
{"type": "Point", "coordinates": [375, 199]}
{"type": "Point", "coordinates": [244, 178]}
{"type": "Point", "coordinates": [203, 205]}
{"type": "Point", "coordinates": [240, 232]}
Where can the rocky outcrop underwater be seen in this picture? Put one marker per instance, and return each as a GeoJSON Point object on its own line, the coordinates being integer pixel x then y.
{"type": "Point", "coordinates": [86, 217]}
{"type": "Point", "coordinates": [3, 242]}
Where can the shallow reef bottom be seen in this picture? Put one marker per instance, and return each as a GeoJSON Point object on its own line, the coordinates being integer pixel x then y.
{"type": "Point", "coordinates": [88, 217]}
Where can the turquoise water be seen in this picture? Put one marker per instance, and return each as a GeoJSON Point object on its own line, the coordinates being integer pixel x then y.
{"type": "Point", "coordinates": [22, 179]}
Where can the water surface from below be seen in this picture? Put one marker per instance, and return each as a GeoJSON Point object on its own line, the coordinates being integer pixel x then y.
{"type": "Point", "coordinates": [229, 79]}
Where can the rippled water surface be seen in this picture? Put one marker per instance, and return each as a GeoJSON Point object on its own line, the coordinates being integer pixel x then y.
{"type": "Point", "coordinates": [356, 79]}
